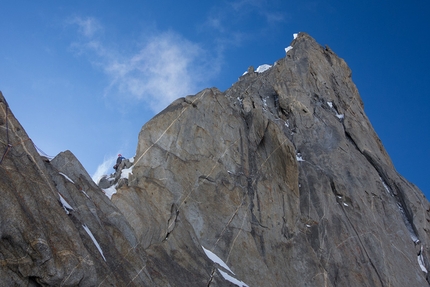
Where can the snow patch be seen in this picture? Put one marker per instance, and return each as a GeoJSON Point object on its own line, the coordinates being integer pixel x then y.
{"type": "Point", "coordinates": [240, 101]}
{"type": "Point", "coordinates": [295, 36]}
{"type": "Point", "coordinates": [232, 279]}
{"type": "Point", "coordinates": [65, 204]}
{"type": "Point", "coordinates": [212, 256]}
{"type": "Point", "coordinates": [265, 102]}
{"type": "Point", "coordinates": [94, 240]}
{"type": "Point", "coordinates": [110, 191]}
{"type": "Point", "coordinates": [85, 193]}
{"type": "Point", "coordinates": [299, 157]}
{"type": "Point", "coordinates": [68, 178]}
{"type": "Point", "coordinates": [339, 116]}
{"type": "Point", "coordinates": [408, 224]}
{"type": "Point", "coordinates": [386, 186]}
{"type": "Point", "coordinates": [421, 261]}
{"type": "Point", "coordinates": [288, 49]}
{"type": "Point", "coordinates": [346, 204]}
{"type": "Point", "coordinates": [263, 68]}
{"type": "Point", "coordinates": [126, 172]}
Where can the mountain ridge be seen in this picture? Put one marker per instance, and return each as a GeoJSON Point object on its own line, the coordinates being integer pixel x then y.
{"type": "Point", "coordinates": [279, 180]}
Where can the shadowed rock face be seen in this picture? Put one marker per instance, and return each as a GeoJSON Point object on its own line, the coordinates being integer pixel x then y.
{"type": "Point", "coordinates": [281, 176]}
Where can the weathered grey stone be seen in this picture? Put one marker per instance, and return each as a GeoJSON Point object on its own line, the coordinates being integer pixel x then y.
{"type": "Point", "coordinates": [281, 176]}
{"type": "Point", "coordinates": [44, 244]}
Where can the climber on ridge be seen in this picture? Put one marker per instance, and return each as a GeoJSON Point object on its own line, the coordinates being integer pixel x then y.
{"type": "Point", "coordinates": [118, 161]}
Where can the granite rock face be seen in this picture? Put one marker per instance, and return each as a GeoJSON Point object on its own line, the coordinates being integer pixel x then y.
{"type": "Point", "coordinates": [57, 226]}
{"type": "Point", "coordinates": [278, 181]}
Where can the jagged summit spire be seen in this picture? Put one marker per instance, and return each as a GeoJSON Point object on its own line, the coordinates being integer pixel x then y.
{"type": "Point", "coordinates": [280, 179]}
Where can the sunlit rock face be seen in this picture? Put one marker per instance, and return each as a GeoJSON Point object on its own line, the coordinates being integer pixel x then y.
{"type": "Point", "coordinates": [278, 181]}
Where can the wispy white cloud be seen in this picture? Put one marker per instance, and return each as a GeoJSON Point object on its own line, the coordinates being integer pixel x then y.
{"type": "Point", "coordinates": [167, 67]}
{"type": "Point", "coordinates": [103, 168]}
{"type": "Point", "coordinates": [87, 26]}
{"type": "Point", "coordinates": [163, 68]}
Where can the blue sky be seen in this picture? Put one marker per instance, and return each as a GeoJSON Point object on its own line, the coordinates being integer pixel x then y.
{"type": "Point", "coordinates": [86, 75]}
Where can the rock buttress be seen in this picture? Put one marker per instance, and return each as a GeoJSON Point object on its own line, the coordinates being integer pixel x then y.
{"type": "Point", "coordinates": [283, 177]}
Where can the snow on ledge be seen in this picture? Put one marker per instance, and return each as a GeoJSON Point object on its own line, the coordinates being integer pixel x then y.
{"type": "Point", "coordinates": [263, 68]}
{"type": "Point", "coordinates": [65, 204]}
{"type": "Point", "coordinates": [421, 261]}
{"type": "Point", "coordinates": [288, 49]}
{"type": "Point", "coordinates": [340, 116]}
{"type": "Point", "coordinates": [126, 172]}
{"type": "Point", "coordinates": [385, 186]}
{"type": "Point", "coordinates": [94, 240]}
{"type": "Point", "coordinates": [212, 256]}
{"type": "Point", "coordinates": [110, 191]}
{"type": "Point", "coordinates": [66, 177]}
{"type": "Point", "coordinates": [232, 279]}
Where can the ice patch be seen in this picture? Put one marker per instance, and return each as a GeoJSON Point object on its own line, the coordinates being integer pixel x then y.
{"type": "Point", "coordinates": [263, 68]}
{"type": "Point", "coordinates": [94, 240]}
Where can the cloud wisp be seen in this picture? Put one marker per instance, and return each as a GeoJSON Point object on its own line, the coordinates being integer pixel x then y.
{"type": "Point", "coordinates": [167, 67]}
{"type": "Point", "coordinates": [87, 27]}
{"type": "Point", "coordinates": [103, 168]}
{"type": "Point", "coordinates": [163, 68]}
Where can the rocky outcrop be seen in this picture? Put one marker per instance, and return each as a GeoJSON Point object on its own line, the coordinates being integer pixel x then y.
{"type": "Point", "coordinates": [278, 181]}
{"type": "Point", "coordinates": [57, 226]}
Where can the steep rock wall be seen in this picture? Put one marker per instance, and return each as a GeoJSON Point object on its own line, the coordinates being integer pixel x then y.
{"type": "Point", "coordinates": [284, 178]}
{"type": "Point", "coordinates": [278, 181]}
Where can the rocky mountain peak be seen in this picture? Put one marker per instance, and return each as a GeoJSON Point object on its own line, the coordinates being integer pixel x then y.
{"type": "Point", "coordinates": [279, 180]}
